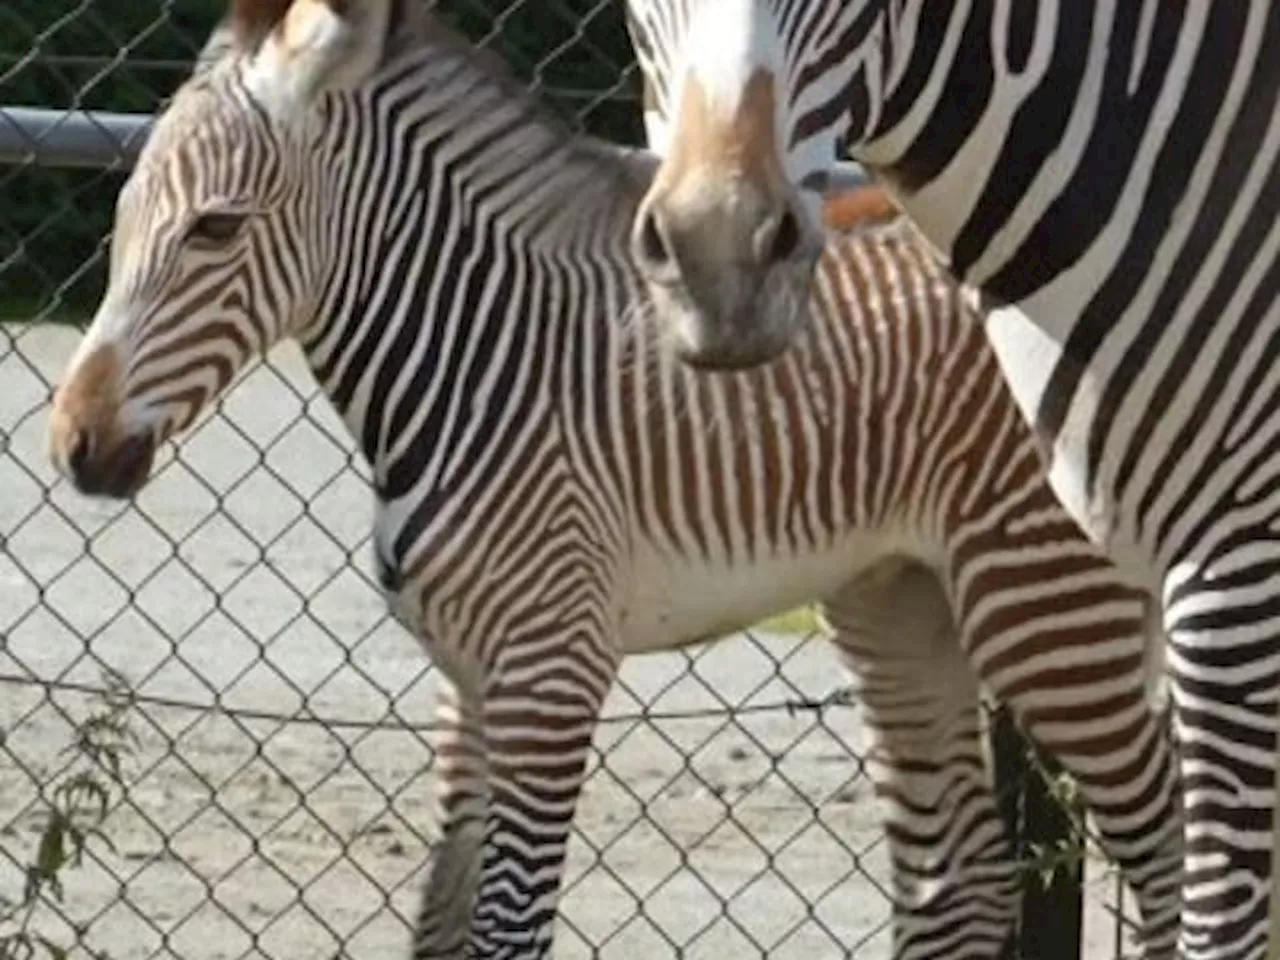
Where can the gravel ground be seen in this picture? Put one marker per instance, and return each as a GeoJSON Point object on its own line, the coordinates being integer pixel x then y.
{"type": "Point", "coordinates": [253, 830]}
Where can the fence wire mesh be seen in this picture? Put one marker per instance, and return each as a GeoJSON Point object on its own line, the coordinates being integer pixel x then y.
{"type": "Point", "coordinates": [274, 799]}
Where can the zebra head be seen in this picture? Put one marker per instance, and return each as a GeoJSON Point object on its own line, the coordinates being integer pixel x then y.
{"type": "Point", "coordinates": [732, 222]}
{"type": "Point", "coordinates": [219, 244]}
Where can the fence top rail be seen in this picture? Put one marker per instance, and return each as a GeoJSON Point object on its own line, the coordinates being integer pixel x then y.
{"type": "Point", "coordinates": [71, 138]}
{"type": "Point", "coordinates": [105, 140]}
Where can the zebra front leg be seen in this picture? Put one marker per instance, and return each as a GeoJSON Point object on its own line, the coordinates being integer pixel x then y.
{"type": "Point", "coordinates": [1225, 670]}
{"type": "Point", "coordinates": [444, 919]}
{"type": "Point", "coordinates": [540, 713]}
{"type": "Point", "coordinates": [954, 878]}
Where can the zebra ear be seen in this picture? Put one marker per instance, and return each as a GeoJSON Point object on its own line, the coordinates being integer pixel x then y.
{"type": "Point", "coordinates": [317, 46]}
{"type": "Point", "coordinates": [251, 20]}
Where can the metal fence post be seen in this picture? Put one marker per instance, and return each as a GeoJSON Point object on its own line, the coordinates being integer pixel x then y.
{"type": "Point", "coordinates": [1051, 924]}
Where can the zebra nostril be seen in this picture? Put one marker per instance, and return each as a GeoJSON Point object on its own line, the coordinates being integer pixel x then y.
{"type": "Point", "coordinates": [780, 244]}
{"type": "Point", "coordinates": [786, 239]}
{"type": "Point", "coordinates": [79, 450]}
{"type": "Point", "coordinates": [652, 248]}
{"type": "Point", "coordinates": [130, 466]}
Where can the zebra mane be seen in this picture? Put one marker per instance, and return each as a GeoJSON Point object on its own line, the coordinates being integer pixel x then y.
{"type": "Point", "coordinates": [591, 182]}
{"type": "Point", "coordinates": [426, 28]}
{"type": "Point", "coordinates": [414, 26]}
{"type": "Point", "coordinates": [599, 173]}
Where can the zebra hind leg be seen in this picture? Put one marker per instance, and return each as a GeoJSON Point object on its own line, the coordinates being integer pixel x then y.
{"type": "Point", "coordinates": [444, 917]}
{"type": "Point", "coordinates": [954, 879]}
{"type": "Point", "coordinates": [1127, 780]}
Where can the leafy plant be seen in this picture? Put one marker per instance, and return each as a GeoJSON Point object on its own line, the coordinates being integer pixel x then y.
{"type": "Point", "coordinates": [76, 814]}
{"type": "Point", "coordinates": [1066, 854]}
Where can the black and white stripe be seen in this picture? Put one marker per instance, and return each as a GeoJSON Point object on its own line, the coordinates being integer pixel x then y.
{"type": "Point", "coordinates": [555, 492]}
{"type": "Point", "coordinates": [1107, 172]}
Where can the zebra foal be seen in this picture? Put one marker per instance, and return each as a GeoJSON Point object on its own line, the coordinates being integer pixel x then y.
{"type": "Point", "coordinates": [553, 491]}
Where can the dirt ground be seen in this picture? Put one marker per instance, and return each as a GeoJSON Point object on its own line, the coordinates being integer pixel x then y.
{"type": "Point", "coordinates": [247, 835]}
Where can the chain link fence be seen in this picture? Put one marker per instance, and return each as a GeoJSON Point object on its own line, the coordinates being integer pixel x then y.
{"type": "Point", "coordinates": [271, 721]}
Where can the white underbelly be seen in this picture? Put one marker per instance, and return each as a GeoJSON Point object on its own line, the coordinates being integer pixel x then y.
{"type": "Point", "coordinates": [674, 600]}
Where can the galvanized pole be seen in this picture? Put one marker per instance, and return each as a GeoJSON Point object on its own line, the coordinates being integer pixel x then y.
{"type": "Point", "coordinates": [80, 138]}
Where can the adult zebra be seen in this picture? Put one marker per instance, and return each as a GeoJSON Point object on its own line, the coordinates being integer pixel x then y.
{"type": "Point", "coordinates": [554, 492]}
{"type": "Point", "coordinates": [1106, 171]}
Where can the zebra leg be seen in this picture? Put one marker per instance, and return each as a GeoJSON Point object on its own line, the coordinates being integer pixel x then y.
{"type": "Point", "coordinates": [540, 713]}
{"type": "Point", "coordinates": [1225, 671]}
{"type": "Point", "coordinates": [954, 879]}
{"type": "Point", "coordinates": [462, 795]}
{"type": "Point", "coordinates": [1072, 662]}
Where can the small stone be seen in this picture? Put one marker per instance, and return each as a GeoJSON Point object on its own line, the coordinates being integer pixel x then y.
{"type": "Point", "coordinates": [846, 794]}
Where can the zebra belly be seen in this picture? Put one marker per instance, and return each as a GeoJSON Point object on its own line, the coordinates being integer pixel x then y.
{"type": "Point", "coordinates": [676, 599]}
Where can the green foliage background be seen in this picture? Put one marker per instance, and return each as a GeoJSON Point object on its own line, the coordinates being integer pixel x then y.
{"type": "Point", "coordinates": [128, 55]}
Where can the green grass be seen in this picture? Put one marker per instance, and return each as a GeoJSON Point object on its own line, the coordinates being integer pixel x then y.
{"type": "Point", "coordinates": [801, 620]}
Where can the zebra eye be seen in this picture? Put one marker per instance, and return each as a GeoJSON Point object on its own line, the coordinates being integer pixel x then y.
{"type": "Point", "coordinates": [216, 229]}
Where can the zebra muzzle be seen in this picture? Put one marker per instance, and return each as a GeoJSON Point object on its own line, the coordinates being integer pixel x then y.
{"type": "Point", "coordinates": [117, 470]}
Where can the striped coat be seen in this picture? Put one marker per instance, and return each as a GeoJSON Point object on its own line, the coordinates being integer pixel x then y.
{"type": "Point", "coordinates": [555, 492]}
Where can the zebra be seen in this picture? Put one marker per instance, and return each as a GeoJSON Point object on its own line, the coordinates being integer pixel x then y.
{"type": "Point", "coordinates": [554, 491]}
{"type": "Point", "coordinates": [1106, 174]}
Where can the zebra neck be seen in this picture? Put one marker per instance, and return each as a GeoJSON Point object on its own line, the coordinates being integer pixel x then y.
{"type": "Point", "coordinates": [1017, 136]}
{"type": "Point", "coordinates": [479, 257]}
{"type": "Point", "coordinates": [977, 102]}
{"type": "Point", "coordinates": [478, 268]}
